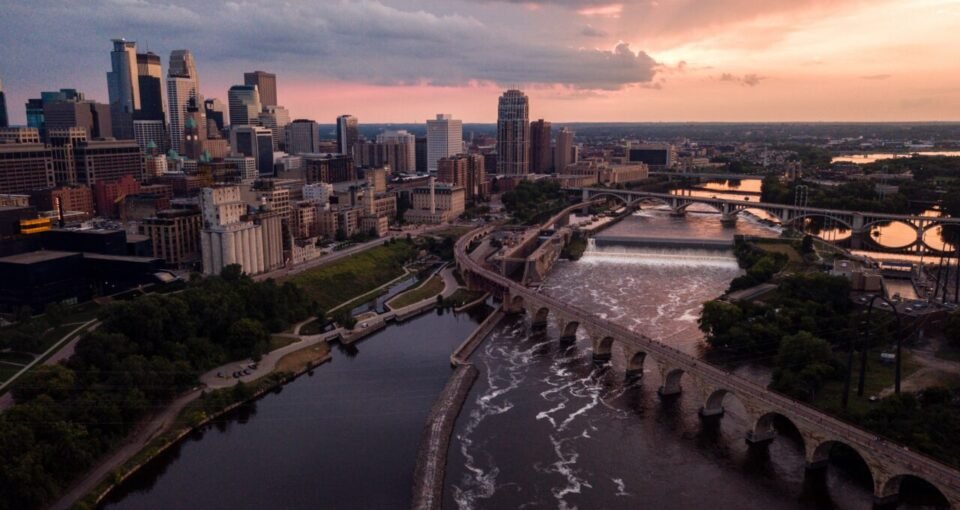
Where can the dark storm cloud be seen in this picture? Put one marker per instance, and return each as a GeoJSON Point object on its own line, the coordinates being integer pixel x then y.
{"type": "Point", "coordinates": [366, 41]}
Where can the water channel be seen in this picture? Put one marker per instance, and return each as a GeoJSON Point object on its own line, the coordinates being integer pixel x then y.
{"type": "Point", "coordinates": [344, 437]}
{"type": "Point", "coordinates": [544, 427]}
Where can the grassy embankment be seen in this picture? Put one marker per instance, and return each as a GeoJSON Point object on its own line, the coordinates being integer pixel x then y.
{"type": "Point", "coordinates": [356, 275]}
{"type": "Point", "coordinates": [428, 289]}
{"type": "Point", "coordinates": [879, 376]}
{"type": "Point", "coordinates": [353, 277]}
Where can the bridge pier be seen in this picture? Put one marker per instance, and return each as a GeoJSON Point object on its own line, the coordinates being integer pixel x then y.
{"type": "Point", "coordinates": [671, 382]}
{"type": "Point", "coordinates": [728, 220]}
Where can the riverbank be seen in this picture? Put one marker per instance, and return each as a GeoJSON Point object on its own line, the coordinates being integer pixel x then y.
{"type": "Point", "coordinates": [179, 419]}
{"type": "Point", "coordinates": [430, 470]}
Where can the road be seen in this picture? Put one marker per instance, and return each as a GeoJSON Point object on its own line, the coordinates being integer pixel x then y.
{"type": "Point", "coordinates": [64, 352]}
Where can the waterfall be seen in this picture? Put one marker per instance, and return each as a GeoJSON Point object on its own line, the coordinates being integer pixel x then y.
{"type": "Point", "coordinates": [657, 256]}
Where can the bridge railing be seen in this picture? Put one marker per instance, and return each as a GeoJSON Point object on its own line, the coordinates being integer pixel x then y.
{"type": "Point", "coordinates": [837, 427]}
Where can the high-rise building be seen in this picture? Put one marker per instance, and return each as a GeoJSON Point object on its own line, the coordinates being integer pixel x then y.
{"type": "Point", "coordinates": [123, 87]}
{"type": "Point", "coordinates": [183, 84]}
{"type": "Point", "coordinates": [267, 85]}
{"type": "Point", "coordinates": [62, 143]}
{"type": "Point", "coordinates": [4, 118]}
{"type": "Point", "coordinates": [194, 130]}
{"type": "Point", "coordinates": [566, 151]}
{"type": "Point", "coordinates": [91, 116]}
{"type": "Point", "coordinates": [25, 167]}
{"type": "Point", "coordinates": [452, 170]}
{"type": "Point", "coordinates": [34, 107]}
{"type": "Point", "coordinates": [19, 135]}
{"type": "Point", "coordinates": [150, 135]}
{"type": "Point", "coordinates": [347, 134]}
{"type": "Point", "coordinates": [256, 142]}
{"type": "Point", "coordinates": [150, 81]}
{"type": "Point", "coordinates": [108, 160]}
{"type": "Point", "coordinates": [303, 136]}
{"type": "Point", "coordinates": [540, 149]}
{"type": "Point", "coordinates": [276, 119]}
{"type": "Point", "coordinates": [329, 168]}
{"type": "Point", "coordinates": [657, 155]}
{"type": "Point", "coordinates": [409, 143]}
{"type": "Point", "coordinates": [513, 134]}
{"type": "Point", "coordinates": [444, 138]}
{"type": "Point", "coordinates": [244, 101]}
{"type": "Point", "coordinates": [421, 155]}
{"type": "Point", "coordinates": [217, 115]}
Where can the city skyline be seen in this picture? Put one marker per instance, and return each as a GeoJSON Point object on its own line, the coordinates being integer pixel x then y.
{"type": "Point", "coordinates": [590, 60]}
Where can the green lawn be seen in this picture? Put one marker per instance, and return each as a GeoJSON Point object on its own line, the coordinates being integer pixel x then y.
{"type": "Point", "coordinates": [431, 288]}
{"type": "Point", "coordinates": [879, 376]}
{"type": "Point", "coordinates": [278, 341]}
{"type": "Point", "coordinates": [356, 275]}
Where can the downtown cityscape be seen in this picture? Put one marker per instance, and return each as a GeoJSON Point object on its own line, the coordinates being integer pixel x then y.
{"type": "Point", "coordinates": [491, 254]}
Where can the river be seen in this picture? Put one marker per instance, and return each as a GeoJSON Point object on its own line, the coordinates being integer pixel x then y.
{"type": "Point", "coordinates": [344, 437]}
{"type": "Point", "coordinates": [544, 427]}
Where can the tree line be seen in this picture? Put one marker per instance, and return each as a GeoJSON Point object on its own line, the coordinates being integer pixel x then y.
{"type": "Point", "coordinates": [147, 351]}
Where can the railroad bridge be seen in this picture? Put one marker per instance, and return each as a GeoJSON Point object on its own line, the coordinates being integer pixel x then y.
{"type": "Point", "coordinates": [857, 222]}
{"type": "Point", "coordinates": [889, 463]}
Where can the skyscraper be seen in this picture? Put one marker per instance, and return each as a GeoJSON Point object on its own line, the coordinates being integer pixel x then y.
{"type": "Point", "coordinates": [540, 133]}
{"type": "Point", "coordinates": [4, 120]}
{"type": "Point", "coordinates": [408, 140]}
{"type": "Point", "coordinates": [244, 101]}
{"type": "Point", "coordinates": [267, 85]}
{"type": "Point", "coordinates": [123, 87]}
{"type": "Point", "coordinates": [149, 79]}
{"type": "Point", "coordinates": [565, 151]}
{"type": "Point", "coordinates": [217, 113]}
{"type": "Point", "coordinates": [513, 134]}
{"type": "Point", "coordinates": [347, 134]}
{"type": "Point", "coordinates": [275, 118]}
{"type": "Point", "coordinates": [303, 136]}
{"type": "Point", "coordinates": [256, 142]}
{"type": "Point", "coordinates": [444, 139]}
{"type": "Point", "coordinates": [182, 85]}
{"type": "Point", "coordinates": [149, 124]}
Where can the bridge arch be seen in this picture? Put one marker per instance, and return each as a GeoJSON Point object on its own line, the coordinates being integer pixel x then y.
{"type": "Point", "coordinates": [516, 304]}
{"type": "Point", "coordinates": [657, 200]}
{"type": "Point", "coordinates": [769, 425]}
{"type": "Point", "coordinates": [570, 330]}
{"type": "Point", "coordinates": [541, 315]}
{"type": "Point", "coordinates": [689, 202]}
{"type": "Point", "coordinates": [821, 455]}
{"type": "Point", "coordinates": [671, 382]}
{"type": "Point", "coordinates": [603, 348]}
{"type": "Point", "coordinates": [898, 228]}
{"type": "Point", "coordinates": [912, 487]}
{"type": "Point", "coordinates": [635, 362]}
{"type": "Point", "coordinates": [608, 195]}
{"type": "Point", "coordinates": [794, 219]}
{"type": "Point", "coordinates": [713, 406]}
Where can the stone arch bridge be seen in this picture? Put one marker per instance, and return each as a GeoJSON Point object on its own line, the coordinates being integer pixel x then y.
{"type": "Point", "coordinates": [889, 463]}
{"type": "Point", "coordinates": [857, 222]}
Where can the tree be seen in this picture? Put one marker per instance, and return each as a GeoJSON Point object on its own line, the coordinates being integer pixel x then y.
{"type": "Point", "coordinates": [806, 246]}
{"type": "Point", "coordinates": [803, 363]}
{"type": "Point", "coordinates": [341, 235]}
{"type": "Point", "coordinates": [248, 336]}
{"type": "Point", "coordinates": [232, 272]}
{"type": "Point", "coordinates": [344, 318]}
{"type": "Point", "coordinates": [56, 381]}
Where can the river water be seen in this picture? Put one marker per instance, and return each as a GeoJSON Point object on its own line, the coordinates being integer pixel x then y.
{"type": "Point", "coordinates": [344, 437]}
{"type": "Point", "coordinates": [544, 427]}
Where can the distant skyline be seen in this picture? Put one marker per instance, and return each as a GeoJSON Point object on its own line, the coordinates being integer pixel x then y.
{"type": "Point", "coordinates": [404, 61]}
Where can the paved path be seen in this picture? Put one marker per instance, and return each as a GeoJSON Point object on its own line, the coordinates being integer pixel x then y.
{"type": "Point", "coordinates": [64, 352]}
{"type": "Point", "coordinates": [929, 374]}
{"type": "Point", "coordinates": [153, 426]}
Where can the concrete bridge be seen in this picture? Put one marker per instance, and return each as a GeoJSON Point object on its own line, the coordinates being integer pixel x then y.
{"type": "Point", "coordinates": [859, 223]}
{"type": "Point", "coordinates": [889, 463]}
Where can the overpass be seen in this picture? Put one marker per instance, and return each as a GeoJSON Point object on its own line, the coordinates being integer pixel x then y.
{"type": "Point", "coordinates": [856, 221]}
{"type": "Point", "coordinates": [889, 463]}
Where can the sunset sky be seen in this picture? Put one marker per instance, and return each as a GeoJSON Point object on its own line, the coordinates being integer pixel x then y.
{"type": "Point", "coordinates": [579, 60]}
